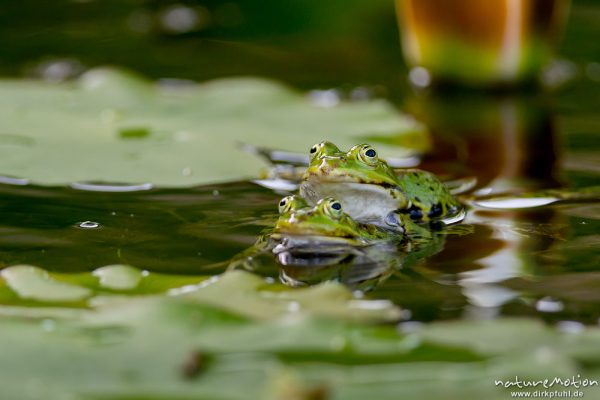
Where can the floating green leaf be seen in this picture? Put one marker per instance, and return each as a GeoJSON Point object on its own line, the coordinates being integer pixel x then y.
{"type": "Point", "coordinates": [114, 127]}
{"type": "Point", "coordinates": [34, 283]}
{"type": "Point", "coordinates": [118, 277]}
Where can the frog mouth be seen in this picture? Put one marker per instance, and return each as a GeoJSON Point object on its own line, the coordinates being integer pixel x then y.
{"type": "Point", "coordinates": [315, 243]}
{"type": "Point", "coordinates": [341, 178]}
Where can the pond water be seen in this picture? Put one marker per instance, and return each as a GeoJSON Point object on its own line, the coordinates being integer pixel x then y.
{"type": "Point", "coordinates": [541, 261]}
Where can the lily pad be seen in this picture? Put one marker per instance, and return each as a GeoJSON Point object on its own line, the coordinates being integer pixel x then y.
{"type": "Point", "coordinates": [118, 277]}
{"type": "Point", "coordinates": [33, 283]}
{"type": "Point", "coordinates": [188, 347]}
{"type": "Point", "coordinates": [111, 126]}
{"type": "Point", "coordinates": [248, 295]}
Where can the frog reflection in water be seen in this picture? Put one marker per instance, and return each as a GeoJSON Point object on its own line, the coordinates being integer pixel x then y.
{"type": "Point", "coordinates": [321, 242]}
{"type": "Point", "coordinates": [372, 192]}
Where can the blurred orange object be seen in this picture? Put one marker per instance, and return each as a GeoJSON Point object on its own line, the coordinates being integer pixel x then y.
{"type": "Point", "coordinates": [479, 42]}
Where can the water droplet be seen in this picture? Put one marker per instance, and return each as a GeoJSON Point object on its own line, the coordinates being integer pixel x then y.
{"type": "Point", "coordinates": [9, 180]}
{"type": "Point", "coordinates": [187, 171]}
{"type": "Point", "coordinates": [215, 193]}
{"type": "Point", "coordinates": [549, 305]}
{"type": "Point", "coordinates": [293, 306]}
{"type": "Point", "coordinates": [89, 225]}
{"type": "Point", "coordinates": [269, 280]}
{"type": "Point", "coordinates": [110, 187]}
{"type": "Point", "coordinates": [324, 98]}
{"type": "Point", "coordinates": [419, 77]}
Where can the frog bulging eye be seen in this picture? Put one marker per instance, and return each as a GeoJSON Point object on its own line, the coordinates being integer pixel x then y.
{"type": "Point", "coordinates": [322, 149]}
{"type": "Point", "coordinates": [368, 155]}
{"type": "Point", "coordinates": [285, 204]}
{"type": "Point", "coordinates": [314, 151]}
{"type": "Point", "coordinates": [331, 207]}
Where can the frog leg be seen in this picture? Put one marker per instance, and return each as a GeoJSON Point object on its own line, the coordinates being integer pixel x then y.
{"type": "Point", "coordinates": [246, 260]}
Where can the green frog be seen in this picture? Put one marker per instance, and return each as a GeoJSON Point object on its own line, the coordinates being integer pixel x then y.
{"type": "Point", "coordinates": [322, 236]}
{"type": "Point", "coordinates": [372, 192]}
{"type": "Point", "coordinates": [323, 224]}
{"type": "Point", "coordinates": [322, 242]}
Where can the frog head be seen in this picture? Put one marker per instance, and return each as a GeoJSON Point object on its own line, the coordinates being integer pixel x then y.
{"type": "Point", "coordinates": [326, 218]}
{"type": "Point", "coordinates": [365, 185]}
{"type": "Point", "coordinates": [291, 204]}
{"type": "Point", "coordinates": [323, 149]}
{"type": "Point", "coordinates": [359, 165]}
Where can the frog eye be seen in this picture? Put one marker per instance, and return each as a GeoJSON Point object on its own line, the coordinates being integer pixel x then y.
{"type": "Point", "coordinates": [286, 204]}
{"type": "Point", "coordinates": [368, 155]}
{"type": "Point", "coordinates": [331, 207]}
{"type": "Point", "coordinates": [315, 151]}
{"type": "Point", "coordinates": [322, 149]}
